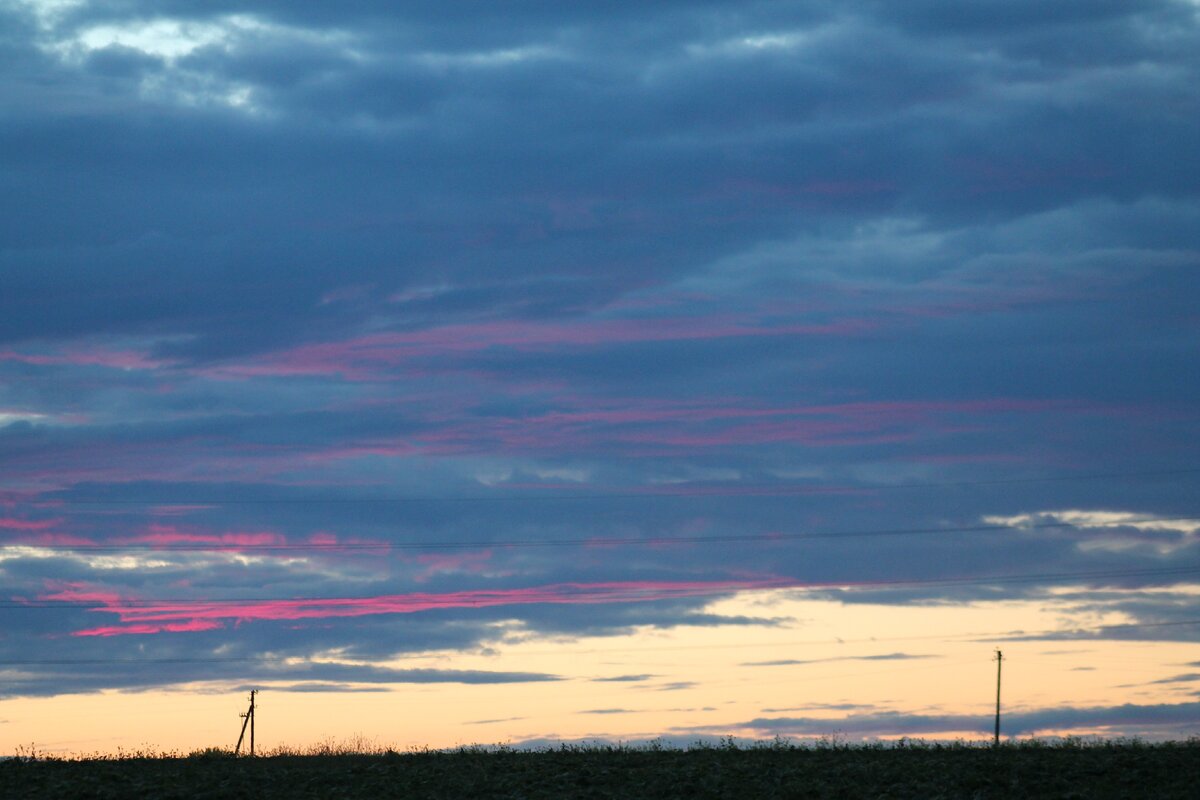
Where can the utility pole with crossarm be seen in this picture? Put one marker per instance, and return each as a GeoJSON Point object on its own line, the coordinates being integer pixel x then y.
{"type": "Point", "coordinates": [247, 719]}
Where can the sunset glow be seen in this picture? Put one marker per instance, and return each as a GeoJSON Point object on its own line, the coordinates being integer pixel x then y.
{"type": "Point", "coordinates": [536, 372]}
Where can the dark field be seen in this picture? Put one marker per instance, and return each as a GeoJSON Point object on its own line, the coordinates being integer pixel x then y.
{"type": "Point", "coordinates": [1112, 770]}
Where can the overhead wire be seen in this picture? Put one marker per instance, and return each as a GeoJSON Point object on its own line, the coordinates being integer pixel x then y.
{"type": "Point", "coordinates": [218, 546]}
{"type": "Point", "coordinates": [957, 638]}
{"type": "Point", "coordinates": [657, 491]}
{"type": "Point", "coordinates": [598, 594]}
{"type": "Point", "coordinates": [609, 595]}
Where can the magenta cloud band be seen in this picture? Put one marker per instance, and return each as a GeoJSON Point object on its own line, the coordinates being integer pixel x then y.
{"type": "Point", "coordinates": [144, 617]}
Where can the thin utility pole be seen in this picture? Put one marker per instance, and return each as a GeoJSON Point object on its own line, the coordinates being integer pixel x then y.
{"type": "Point", "coordinates": [999, 660]}
{"type": "Point", "coordinates": [247, 719]}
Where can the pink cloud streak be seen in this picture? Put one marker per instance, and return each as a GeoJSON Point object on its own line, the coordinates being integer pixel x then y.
{"type": "Point", "coordinates": [11, 524]}
{"type": "Point", "coordinates": [172, 627]}
{"type": "Point", "coordinates": [86, 356]}
{"type": "Point", "coordinates": [141, 616]}
{"type": "Point", "coordinates": [40, 538]}
{"type": "Point", "coordinates": [356, 358]}
{"type": "Point", "coordinates": [167, 535]}
{"type": "Point", "coordinates": [471, 562]}
{"type": "Point", "coordinates": [702, 426]}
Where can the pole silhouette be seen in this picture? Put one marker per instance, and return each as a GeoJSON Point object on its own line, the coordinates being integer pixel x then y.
{"type": "Point", "coordinates": [247, 719]}
{"type": "Point", "coordinates": [999, 660]}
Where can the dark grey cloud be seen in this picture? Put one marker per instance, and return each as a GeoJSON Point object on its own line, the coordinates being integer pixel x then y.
{"type": "Point", "coordinates": [711, 620]}
{"type": "Point", "coordinates": [460, 112]}
{"type": "Point", "coordinates": [1187, 677]}
{"type": "Point", "coordinates": [313, 687]}
{"type": "Point", "coordinates": [821, 707]}
{"type": "Point", "coordinates": [398, 275]}
{"type": "Point", "coordinates": [1117, 718]}
{"type": "Point", "coordinates": [675, 686]}
{"type": "Point", "coordinates": [50, 677]}
{"type": "Point", "coordinates": [787, 662]}
{"type": "Point", "coordinates": [992, 16]}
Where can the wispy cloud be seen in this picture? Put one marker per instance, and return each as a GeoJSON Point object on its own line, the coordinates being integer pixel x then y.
{"type": "Point", "coordinates": [1063, 719]}
{"type": "Point", "coordinates": [788, 662]}
{"type": "Point", "coordinates": [144, 617]}
{"type": "Point", "coordinates": [364, 329]}
{"type": "Point", "coordinates": [86, 356]}
{"type": "Point", "coordinates": [362, 358]}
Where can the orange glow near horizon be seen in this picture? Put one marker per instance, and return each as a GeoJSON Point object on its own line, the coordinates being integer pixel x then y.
{"type": "Point", "coordinates": [688, 681]}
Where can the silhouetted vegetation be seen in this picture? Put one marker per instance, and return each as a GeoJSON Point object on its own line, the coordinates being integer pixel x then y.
{"type": "Point", "coordinates": [1071, 769]}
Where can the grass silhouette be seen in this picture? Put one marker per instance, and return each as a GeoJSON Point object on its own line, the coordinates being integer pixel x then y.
{"type": "Point", "coordinates": [827, 769]}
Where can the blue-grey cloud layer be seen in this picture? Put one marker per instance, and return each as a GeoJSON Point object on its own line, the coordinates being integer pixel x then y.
{"type": "Point", "coordinates": [1178, 718]}
{"type": "Point", "coordinates": [546, 271]}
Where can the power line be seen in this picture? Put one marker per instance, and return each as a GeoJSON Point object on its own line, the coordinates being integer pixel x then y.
{"type": "Point", "coordinates": [586, 593]}
{"type": "Point", "coordinates": [75, 662]}
{"type": "Point", "coordinates": [680, 491]}
{"type": "Point", "coordinates": [954, 638]}
{"type": "Point", "coordinates": [949, 638]}
{"type": "Point", "coordinates": [375, 547]}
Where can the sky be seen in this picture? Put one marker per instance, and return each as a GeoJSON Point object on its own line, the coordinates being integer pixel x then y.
{"type": "Point", "coordinates": [533, 371]}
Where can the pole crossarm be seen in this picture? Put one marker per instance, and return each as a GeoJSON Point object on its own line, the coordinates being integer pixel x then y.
{"type": "Point", "coordinates": [247, 719]}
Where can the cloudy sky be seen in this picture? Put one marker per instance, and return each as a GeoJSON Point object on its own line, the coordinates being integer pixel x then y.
{"type": "Point", "coordinates": [526, 371]}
